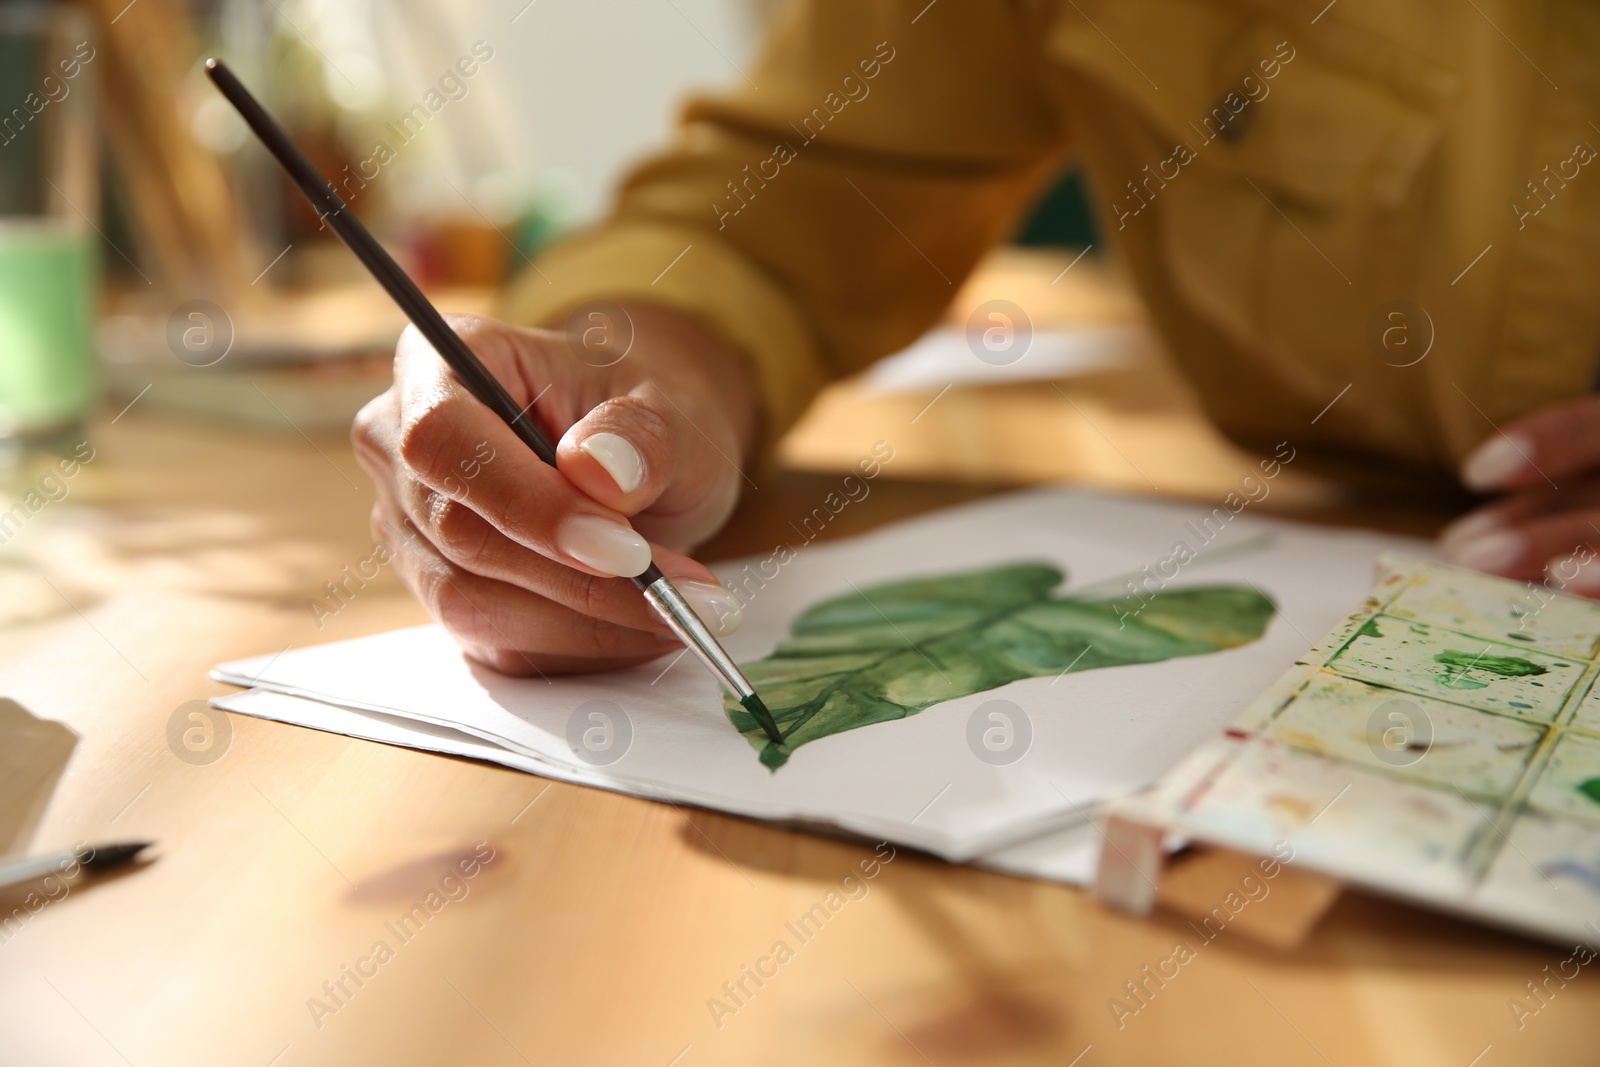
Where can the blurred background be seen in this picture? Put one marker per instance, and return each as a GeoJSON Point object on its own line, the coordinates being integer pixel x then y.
{"type": "Point", "coordinates": [139, 222]}
{"type": "Point", "coordinates": [145, 237]}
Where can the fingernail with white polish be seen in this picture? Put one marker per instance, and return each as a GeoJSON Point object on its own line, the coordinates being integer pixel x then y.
{"type": "Point", "coordinates": [604, 545]}
{"type": "Point", "coordinates": [1465, 529]}
{"type": "Point", "coordinates": [1491, 552]}
{"type": "Point", "coordinates": [1496, 460]}
{"type": "Point", "coordinates": [1573, 575]}
{"type": "Point", "coordinates": [620, 459]}
{"type": "Point", "coordinates": [717, 607]}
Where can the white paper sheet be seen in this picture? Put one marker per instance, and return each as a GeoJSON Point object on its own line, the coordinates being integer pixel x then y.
{"type": "Point", "coordinates": [914, 781]}
{"type": "Point", "coordinates": [943, 357]}
{"type": "Point", "coordinates": [1069, 855]}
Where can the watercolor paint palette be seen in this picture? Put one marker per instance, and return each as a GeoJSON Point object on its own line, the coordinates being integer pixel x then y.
{"type": "Point", "coordinates": [1442, 743]}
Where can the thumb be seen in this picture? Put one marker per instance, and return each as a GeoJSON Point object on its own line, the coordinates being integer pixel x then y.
{"type": "Point", "coordinates": [639, 454]}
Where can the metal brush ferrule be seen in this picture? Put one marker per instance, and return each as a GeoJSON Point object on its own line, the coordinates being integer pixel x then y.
{"type": "Point", "coordinates": [696, 636]}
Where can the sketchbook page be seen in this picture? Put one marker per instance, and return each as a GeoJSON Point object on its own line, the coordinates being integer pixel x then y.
{"type": "Point", "coordinates": [1067, 855]}
{"type": "Point", "coordinates": [403, 733]}
{"type": "Point", "coordinates": [1441, 744]}
{"type": "Point", "coordinates": [371, 726]}
{"type": "Point", "coordinates": [952, 777]}
{"type": "Point", "coordinates": [1070, 855]}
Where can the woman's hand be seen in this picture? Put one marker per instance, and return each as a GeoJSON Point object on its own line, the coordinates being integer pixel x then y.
{"type": "Point", "coordinates": [526, 564]}
{"type": "Point", "coordinates": [1547, 527]}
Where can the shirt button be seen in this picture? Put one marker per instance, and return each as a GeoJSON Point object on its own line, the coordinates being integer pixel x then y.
{"type": "Point", "coordinates": [1237, 125]}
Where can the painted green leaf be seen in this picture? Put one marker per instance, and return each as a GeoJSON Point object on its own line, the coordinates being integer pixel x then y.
{"type": "Point", "coordinates": [887, 651]}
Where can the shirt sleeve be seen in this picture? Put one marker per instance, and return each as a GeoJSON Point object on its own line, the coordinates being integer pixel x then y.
{"type": "Point", "coordinates": [822, 214]}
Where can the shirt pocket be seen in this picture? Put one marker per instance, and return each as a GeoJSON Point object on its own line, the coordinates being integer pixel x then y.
{"type": "Point", "coordinates": [1275, 154]}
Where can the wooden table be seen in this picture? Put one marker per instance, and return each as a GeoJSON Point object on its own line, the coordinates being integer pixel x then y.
{"type": "Point", "coordinates": [603, 925]}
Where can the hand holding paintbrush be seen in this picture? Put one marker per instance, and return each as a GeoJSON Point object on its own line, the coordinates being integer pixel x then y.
{"type": "Point", "coordinates": [522, 538]}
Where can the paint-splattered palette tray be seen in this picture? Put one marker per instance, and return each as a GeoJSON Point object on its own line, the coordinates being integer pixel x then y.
{"type": "Point", "coordinates": [1441, 744]}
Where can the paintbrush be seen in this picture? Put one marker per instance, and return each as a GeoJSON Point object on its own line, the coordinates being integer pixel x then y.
{"type": "Point", "coordinates": [97, 858]}
{"type": "Point", "coordinates": [473, 374]}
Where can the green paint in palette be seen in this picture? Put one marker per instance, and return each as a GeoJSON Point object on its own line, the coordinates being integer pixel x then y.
{"type": "Point", "coordinates": [1457, 664]}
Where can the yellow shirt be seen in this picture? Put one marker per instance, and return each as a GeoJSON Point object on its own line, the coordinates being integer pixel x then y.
{"type": "Point", "coordinates": [1276, 179]}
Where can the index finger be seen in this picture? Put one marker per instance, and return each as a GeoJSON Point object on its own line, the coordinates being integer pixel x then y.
{"type": "Point", "coordinates": [442, 427]}
{"type": "Point", "coordinates": [1542, 448]}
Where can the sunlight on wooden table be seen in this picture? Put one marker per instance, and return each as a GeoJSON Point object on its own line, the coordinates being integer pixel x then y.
{"type": "Point", "coordinates": [602, 925]}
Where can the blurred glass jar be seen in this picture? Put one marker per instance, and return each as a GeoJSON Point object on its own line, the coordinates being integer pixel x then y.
{"type": "Point", "coordinates": [49, 196]}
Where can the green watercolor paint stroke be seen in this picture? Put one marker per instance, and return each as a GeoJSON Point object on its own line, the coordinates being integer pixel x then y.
{"type": "Point", "coordinates": [1504, 666]}
{"type": "Point", "coordinates": [1451, 679]}
{"type": "Point", "coordinates": [1590, 787]}
{"type": "Point", "coordinates": [890, 650]}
